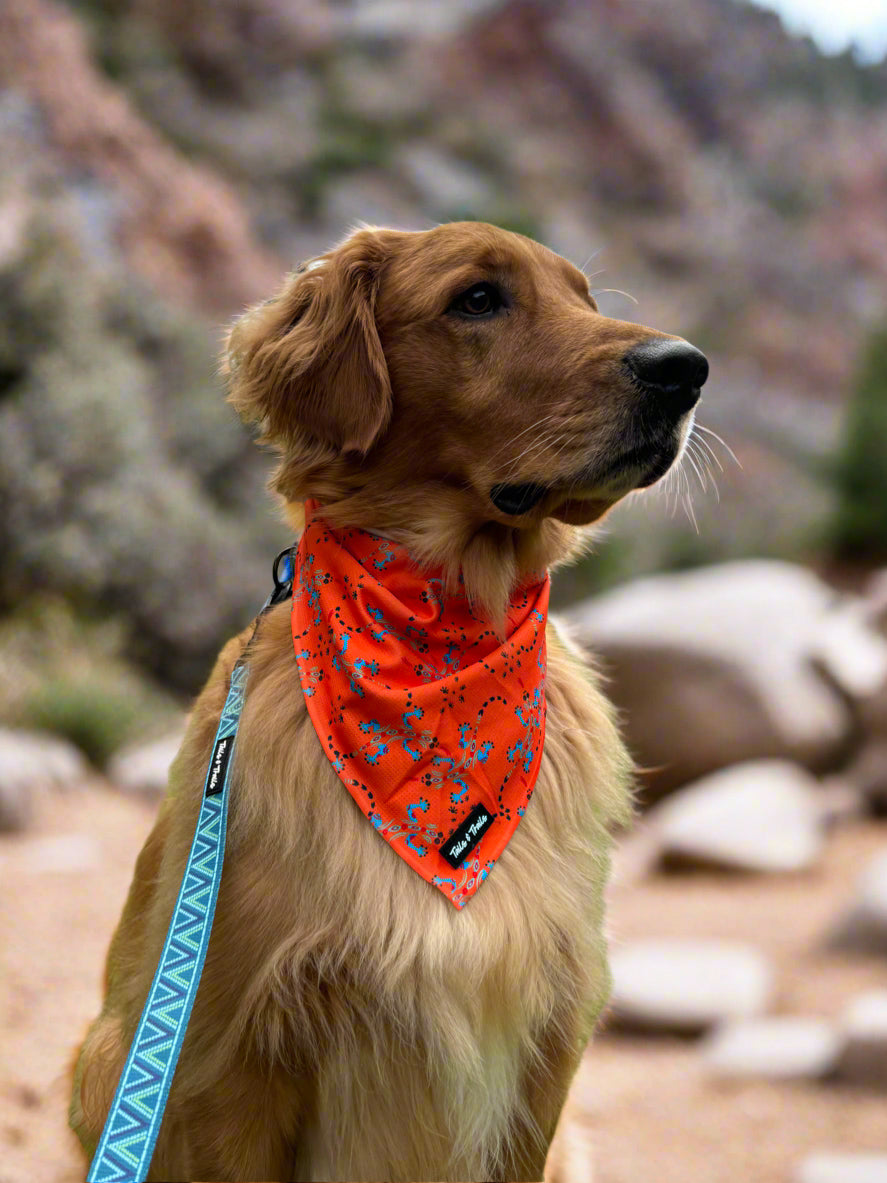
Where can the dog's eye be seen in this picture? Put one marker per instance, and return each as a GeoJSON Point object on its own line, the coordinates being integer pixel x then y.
{"type": "Point", "coordinates": [481, 299]}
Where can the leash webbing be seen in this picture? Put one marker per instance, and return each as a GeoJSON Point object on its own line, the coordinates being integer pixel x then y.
{"type": "Point", "coordinates": [130, 1133]}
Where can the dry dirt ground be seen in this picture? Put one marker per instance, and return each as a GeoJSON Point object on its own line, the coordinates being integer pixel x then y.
{"type": "Point", "coordinates": [647, 1105]}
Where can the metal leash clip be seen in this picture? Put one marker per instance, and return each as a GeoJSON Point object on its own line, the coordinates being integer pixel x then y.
{"type": "Point", "coordinates": [283, 572]}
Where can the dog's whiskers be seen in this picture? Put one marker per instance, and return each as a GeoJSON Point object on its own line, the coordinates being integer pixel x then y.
{"type": "Point", "coordinates": [514, 439]}
{"type": "Point", "coordinates": [564, 444]}
{"type": "Point", "coordinates": [676, 484]}
{"type": "Point", "coordinates": [617, 291]}
{"type": "Point", "coordinates": [705, 465]}
{"type": "Point", "coordinates": [709, 450]}
{"type": "Point", "coordinates": [531, 450]}
{"type": "Point", "coordinates": [723, 443]}
{"type": "Point", "coordinates": [683, 487]}
{"type": "Point", "coordinates": [668, 489]}
{"type": "Point", "coordinates": [691, 514]}
{"type": "Point", "coordinates": [691, 456]}
{"type": "Point", "coordinates": [594, 254]}
{"type": "Point", "coordinates": [688, 497]}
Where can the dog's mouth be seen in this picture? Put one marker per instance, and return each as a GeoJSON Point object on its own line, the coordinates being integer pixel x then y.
{"type": "Point", "coordinates": [566, 499]}
{"type": "Point", "coordinates": [651, 460]}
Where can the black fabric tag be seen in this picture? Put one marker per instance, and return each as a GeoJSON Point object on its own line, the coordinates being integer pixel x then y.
{"type": "Point", "coordinates": [464, 839]}
{"type": "Point", "coordinates": [218, 765]}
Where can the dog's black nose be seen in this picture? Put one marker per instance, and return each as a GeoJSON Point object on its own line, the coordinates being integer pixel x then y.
{"type": "Point", "coordinates": [674, 370]}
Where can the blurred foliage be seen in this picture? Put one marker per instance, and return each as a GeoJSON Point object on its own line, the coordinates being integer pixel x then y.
{"type": "Point", "coordinates": [120, 41]}
{"type": "Point", "coordinates": [509, 216]}
{"type": "Point", "coordinates": [859, 530]}
{"type": "Point", "coordinates": [828, 79]}
{"type": "Point", "coordinates": [93, 715]}
{"type": "Point", "coordinates": [610, 561]}
{"type": "Point", "coordinates": [63, 672]}
{"type": "Point", "coordinates": [347, 142]}
{"type": "Point", "coordinates": [125, 480]}
{"type": "Point", "coordinates": [790, 199]}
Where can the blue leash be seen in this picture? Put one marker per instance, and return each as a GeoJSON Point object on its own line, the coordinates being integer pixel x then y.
{"type": "Point", "coordinates": [127, 1143]}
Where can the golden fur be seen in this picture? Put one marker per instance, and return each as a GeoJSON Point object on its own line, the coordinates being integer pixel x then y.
{"type": "Point", "coordinates": [350, 1023]}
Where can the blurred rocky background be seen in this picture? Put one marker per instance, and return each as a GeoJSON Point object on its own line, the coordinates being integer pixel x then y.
{"type": "Point", "coordinates": [163, 163]}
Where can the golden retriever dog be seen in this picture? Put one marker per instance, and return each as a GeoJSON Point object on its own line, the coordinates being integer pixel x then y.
{"type": "Point", "coordinates": [457, 391]}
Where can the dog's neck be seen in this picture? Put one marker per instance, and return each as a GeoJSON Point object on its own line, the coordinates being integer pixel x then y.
{"type": "Point", "coordinates": [442, 530]}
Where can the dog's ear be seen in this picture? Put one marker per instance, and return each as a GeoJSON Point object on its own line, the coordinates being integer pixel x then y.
{"type": "Point", "coordinates": [309, 360]}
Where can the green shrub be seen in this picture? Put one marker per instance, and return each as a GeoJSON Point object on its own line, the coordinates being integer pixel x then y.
{"type": "Point", "coordinates": [859, 530]}
{"type": "Point", "coordinates": [93, 715]}
{"type": "Point", "coordinates": [64, 672]}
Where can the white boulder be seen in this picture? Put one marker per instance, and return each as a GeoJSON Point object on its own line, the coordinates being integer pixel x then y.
{"type": "Point", "coordinates": [144, 770]}
{"type": "Point", "coordinates": [739, 661]}
{"type": "Point", "coordinates": [51, 854]}
{"type": "Point", "coordinates": [687, 986]}
{"type": "Point", "coordinates": [30, 762]}
{"type": "Point", "coordinates": [842, 1168]}
{"type": "Point", "coordinates": [777, 1048]}
{"type": "Point", "coordinates": [863, 1059]}
{"type": "Point", "coordinates": [761, 815]}
{"type": "Point", "coordinates": [864, 923]}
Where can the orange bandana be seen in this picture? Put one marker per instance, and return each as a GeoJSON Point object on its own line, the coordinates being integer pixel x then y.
{"type": "Point", "coordinates": [433, 725]}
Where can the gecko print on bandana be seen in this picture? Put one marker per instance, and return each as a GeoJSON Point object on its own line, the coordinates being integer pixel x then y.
{"type": "Point", "coordinates": [432, 722]}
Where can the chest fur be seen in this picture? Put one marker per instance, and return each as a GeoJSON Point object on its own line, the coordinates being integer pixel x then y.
{"type": "Point", "coordinates": [349, 927]}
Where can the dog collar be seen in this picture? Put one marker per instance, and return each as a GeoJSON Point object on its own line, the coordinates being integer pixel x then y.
{"type": "Point", "coordinates": [432, 722]}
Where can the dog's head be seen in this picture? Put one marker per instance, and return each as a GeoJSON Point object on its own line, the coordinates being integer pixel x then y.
{"type": "Point", "coordinates": [457, 390]}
